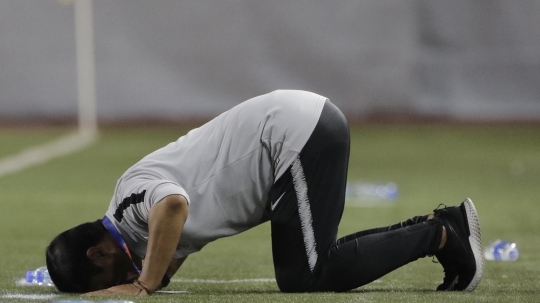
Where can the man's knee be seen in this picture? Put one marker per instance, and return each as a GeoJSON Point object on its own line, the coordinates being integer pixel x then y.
{"type": "Point", "coordinates": [292, 281]}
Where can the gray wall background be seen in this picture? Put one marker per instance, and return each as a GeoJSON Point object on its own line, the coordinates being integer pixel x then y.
{"type": "Point", "coordinates": [463, 59]}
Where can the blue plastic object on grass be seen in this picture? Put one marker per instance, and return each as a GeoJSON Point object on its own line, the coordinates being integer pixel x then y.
{"type": "Point", "coordinates": [371, 191]}
{"type": "Point", "coordinates": [499, 250]}
{"type": "Point", "coordinates": [39, 276]}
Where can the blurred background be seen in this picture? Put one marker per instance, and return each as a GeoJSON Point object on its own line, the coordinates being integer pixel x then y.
{"type": "Point", "coordinates": [174, 60]}
{"type": "Point", "coordinates": [443, 99]}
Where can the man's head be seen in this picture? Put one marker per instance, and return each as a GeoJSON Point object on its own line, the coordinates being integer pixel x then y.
{"type": "Point", "coordinates": [86, 258]}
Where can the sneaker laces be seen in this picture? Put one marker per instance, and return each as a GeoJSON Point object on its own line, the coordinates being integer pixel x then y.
{"type": "Point", "coordinates": [438, 207]}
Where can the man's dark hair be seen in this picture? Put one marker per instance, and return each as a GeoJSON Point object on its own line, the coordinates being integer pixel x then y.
{"type": "Point", "coordinates": [68, 265]}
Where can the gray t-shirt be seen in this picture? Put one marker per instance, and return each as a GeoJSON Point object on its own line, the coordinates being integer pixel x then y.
{"type": "Point", "coordinates": [224, 169]}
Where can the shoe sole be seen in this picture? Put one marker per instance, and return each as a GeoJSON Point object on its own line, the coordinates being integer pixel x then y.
{"type": "Point", "coordinates": [475, 240]}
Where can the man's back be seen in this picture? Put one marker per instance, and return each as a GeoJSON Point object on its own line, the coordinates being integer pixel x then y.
{"type": "Point", "coordinates": [225, 168]}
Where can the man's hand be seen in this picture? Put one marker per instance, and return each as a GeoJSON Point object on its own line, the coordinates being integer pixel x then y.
{"type": "Point", "coordinates": [134, 289]}
{"type": "Point", "coordinates": [165, 224]}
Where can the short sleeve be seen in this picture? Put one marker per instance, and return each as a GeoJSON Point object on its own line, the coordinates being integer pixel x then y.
{"type": "Point", "coordinates": [154, 191]}
{"type": "Point", "coordinates": [131, 205]}
{"type": "Point", "coordinates": [135, 198]}
{"type": "Point", "coordinates": [167, 189]}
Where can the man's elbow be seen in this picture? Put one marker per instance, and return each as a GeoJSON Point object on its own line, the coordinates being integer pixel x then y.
{"type": "Point", "coordinates": [175, 205]}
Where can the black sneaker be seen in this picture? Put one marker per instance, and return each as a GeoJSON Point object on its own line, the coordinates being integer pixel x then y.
{"type": "Point", "coordinates": [450, 274]}
{"type": "Point", "coordinates": [462, 256]}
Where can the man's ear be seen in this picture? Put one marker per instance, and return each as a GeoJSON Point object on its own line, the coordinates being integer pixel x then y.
{"type": "Point", "coordinates": [98, 255]}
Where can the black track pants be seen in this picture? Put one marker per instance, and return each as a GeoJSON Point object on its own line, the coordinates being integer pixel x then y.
{"type": "Point", "coordinates": [309, 201]}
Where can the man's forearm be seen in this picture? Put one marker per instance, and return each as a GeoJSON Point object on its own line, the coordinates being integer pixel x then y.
{"type": "Point", "coordinates": [165, 224]}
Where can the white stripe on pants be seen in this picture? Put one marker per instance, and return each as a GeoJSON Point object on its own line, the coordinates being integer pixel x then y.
{"type": "Point", "coordinates": [304, 211]}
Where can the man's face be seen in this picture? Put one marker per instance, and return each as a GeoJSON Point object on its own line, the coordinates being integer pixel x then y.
{"type": "Point", "coordinates": [118, 270]}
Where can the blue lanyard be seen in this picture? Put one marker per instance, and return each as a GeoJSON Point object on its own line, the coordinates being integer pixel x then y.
{"type": "Point", "coordinates": [118, 237]}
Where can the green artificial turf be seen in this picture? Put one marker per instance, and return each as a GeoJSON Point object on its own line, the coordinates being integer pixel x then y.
{"type": "Point", "coordinates": [498, 167]}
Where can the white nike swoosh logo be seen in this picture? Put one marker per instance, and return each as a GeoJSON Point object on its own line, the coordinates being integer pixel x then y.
{"type": "Point", "coordinates": [277, 201]}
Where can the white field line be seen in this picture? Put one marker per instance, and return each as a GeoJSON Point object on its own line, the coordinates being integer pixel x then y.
{"type": "Point", "coordinates": [171, 292]}
{"type": "Point", "coordinates": [211, 281]}
{"type": "Point", "coordinates": [52, 296]}
{"type": "Point", "coordinates": [43, 153]}
{"type": "Point", "coordinates": [22, 282]}
{"type": "Point", "coordinates": [29, 296]}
